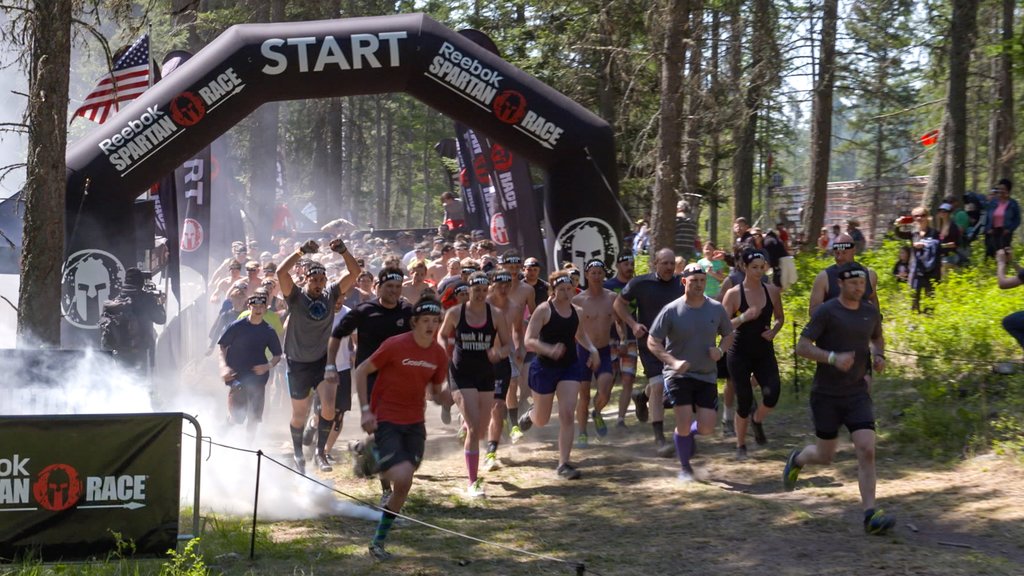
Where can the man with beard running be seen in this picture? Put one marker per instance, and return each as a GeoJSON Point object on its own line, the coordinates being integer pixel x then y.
{"type": "Point", "coordinates": [597, 314]}
{"type": "Point", "coordinates": [310, 316]}
{"type": "Point", "coordinates": [826, 283]}
{"type": "Point", "coordinates": [623, 342]}
{"type": "Point", "coordinates": [843, 334]}
{"type": "Point", "coordinates": [651, 292]}
{"type": "Point", "coordinates": [376, 321]}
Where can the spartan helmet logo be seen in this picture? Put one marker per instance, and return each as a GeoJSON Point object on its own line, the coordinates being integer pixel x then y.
{"type": "Point", "coordinates": [57, 487]}
{"type": "Point", "coordinates": [90, 277]}
{"type": "Point", "coordinates": [584, 239]}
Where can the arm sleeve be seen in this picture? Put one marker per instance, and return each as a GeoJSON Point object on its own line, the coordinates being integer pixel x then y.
{"type": "Point", "coordinates": [274, 343]}
{"type": "Point", "coordinates": [228, 337]}
{"type": "Point", "coordinates": [659, 328]}
{"type": "Point", "coordinates": [629, 291]}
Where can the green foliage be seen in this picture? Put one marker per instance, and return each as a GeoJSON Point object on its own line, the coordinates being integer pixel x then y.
{"type": "Point", "coordinates": [188, 562]}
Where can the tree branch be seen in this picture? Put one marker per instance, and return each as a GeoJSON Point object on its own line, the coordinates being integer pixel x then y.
{"type": "Point", "coordinates": [905, 110]}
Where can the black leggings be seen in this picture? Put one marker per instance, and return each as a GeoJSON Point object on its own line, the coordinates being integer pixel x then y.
{"type": "Point", "coordinates": [765, 367]}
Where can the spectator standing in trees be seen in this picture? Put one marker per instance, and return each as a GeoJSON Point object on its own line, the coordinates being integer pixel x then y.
{"type": "Point", "coordinates": [685, 236]}
{"type": "Point", "coordinates": [1003, 217]}
{"type": "Point", "coordinates": [859, 242]}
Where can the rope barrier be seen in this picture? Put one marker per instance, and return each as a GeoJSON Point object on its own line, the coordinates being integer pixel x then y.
{"type": "Point", "coordinates": [579, 567]}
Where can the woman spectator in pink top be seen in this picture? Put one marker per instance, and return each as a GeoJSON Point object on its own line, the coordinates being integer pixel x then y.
{"type": "Point", "coordinates": [1003, 217]}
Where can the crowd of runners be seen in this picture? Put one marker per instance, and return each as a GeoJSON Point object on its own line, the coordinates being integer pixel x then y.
{"type": "Point", "coordinates": [482, 331]}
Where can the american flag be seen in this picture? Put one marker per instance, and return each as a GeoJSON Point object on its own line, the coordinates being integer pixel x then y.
{"type": "Point", "coordinates": [128, 81]}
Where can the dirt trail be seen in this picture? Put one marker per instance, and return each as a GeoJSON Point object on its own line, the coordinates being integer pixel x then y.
{"type": "Point", "coordinates": [630, 515]}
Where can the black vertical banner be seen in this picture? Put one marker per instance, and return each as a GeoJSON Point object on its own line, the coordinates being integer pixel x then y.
{"type": "Point", "coordinates": [192, 180]}
{"type": "Point", "coordinates": [70, 482]}
{"type": "Point", "coordinates": [472, 196]}
{"type": "Point", "coordinates": [518, 220]}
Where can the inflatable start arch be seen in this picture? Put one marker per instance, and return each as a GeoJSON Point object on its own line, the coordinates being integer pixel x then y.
{"type": "Point", "coordinates": [251, 64]}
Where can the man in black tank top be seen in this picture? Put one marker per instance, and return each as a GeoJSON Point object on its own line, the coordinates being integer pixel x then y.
{"type": "Point", "coordinates": [826, 283]}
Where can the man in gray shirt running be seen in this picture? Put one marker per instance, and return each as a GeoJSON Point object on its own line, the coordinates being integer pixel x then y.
{"type": "Point", "coordinates": [685, 336]}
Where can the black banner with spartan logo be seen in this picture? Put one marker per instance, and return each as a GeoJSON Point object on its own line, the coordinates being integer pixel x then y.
{"type": "Point", "coordinates": [69, 483]}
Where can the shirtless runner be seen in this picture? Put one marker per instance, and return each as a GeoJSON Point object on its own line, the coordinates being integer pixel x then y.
{"type": "Point", "coordinates": [596, 316]}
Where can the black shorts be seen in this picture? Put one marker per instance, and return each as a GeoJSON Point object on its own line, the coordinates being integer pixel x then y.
{"type": "Point", "coordinates": [830, 412]}
{"type": "Point", "coordinates": [652, 366]}
{"type": "Point", "coordinates": [468, 379]}
{"type": "Point", "coordinates": [303, 377]}
{"type": "Point", "coordinates": [502, 377]}
{"type": "Point", "coordinates": [684, 391]}
{"type": "Point", "coordinates": [343, 399]}
{"type": "Point", "coordinates": [399, 443]}
{"type": "Point", "coordinates": [247, 398]}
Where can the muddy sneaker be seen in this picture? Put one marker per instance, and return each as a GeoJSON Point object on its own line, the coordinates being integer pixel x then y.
{"type": "Point", "coordinates": [378, 552]}
{"type": "Point", "coordinates": [581, 441]}
{"type": "Point", "coordinates": [515, 435]}
{"type": "Point", "coordinates": [741, 453]}
{"type": "Point", "coordinates": [686, 474]}
{"type": "Point", "coordinates": [620, 426]}
{"type": "Point", "coordinates": [322, 462]}
{"type": "Point", "coordinates": [446, 414]}
{"type": "Point", "coordinates": [567, 472]}
{"type": "Point", "coordinates": [300, 462]}
{"type": "Point", "coordinates": [791, 472]}
{"type": "Point", "coordinates": [728, 429]}
{"type": "Point", "coordinates": [491, 462]}
{"type": "Point", "coordinates": [476, 489]}
{"type": "Point", "coordinates": [599, 425]}
{"type": "Point", "coordinates": [667, 449]}
{"type": "Point", "coordinates": [640, 403]}
{"type": "Point", "coordinates": [877, 523]}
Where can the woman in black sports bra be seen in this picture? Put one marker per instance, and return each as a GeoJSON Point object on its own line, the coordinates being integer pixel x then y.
{"type": "Point", "coordinates": [751, 305]}
{"type": "Point", "coordinates": [480, 333]}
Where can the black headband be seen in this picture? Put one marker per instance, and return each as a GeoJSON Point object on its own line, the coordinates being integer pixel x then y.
{"type": "Point", "coordinates": [315, 269]}
{"type": "Point", "coordinates": [510, 260]}
{"type": "Point", "coordinates": [624, 258]}
{"type": "Point", "coordinates": [389, 276]}
{"type": "Point", "coordinates": [562, 280]}
{"type": "Point", "coordinates": [574, 272]}
{"type": "Point", "coordinates": [854, 273]}
{"type": "Point", "coordinates": [468, 270]}
{"type": "Point", "coordinates": [462, 288]}
{"type": "Point", "coordinates": [502, 277]}
{"type": "Point", "coordinates": [842, 245]}
{"type": "Point", "coordinates": [595, 263]}
{"type": "Point", "coordinates": [480, 281]}
{"type": "Point", "coordinates": [257, 299]}
{"type": "Point", "coordinates": [427, 307]}
{"type": "Point", "coordinates": [692, 269]}
{"type": "Point", "coordinates": [749, 257]}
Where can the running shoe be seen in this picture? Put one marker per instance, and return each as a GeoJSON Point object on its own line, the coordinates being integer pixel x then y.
{"type": "Point", "coordinates": [877, 523]}
{"type": "Point", "coordinates": [525, 422]}
{"type": "Point", "coordinates": [385, 497]}
{"type": "Point", "coordinates": [620, 426]}
{"type": "Point", "coordinates": [686, 474]}
{"type": "Point", "coordinates": [581, 441]}
{"type": "Point", "coordinates": [309, 432]}
{"type": "Point", "coordinates": [515, 435]}
{"type": "Point", "coordinates": [758, 428]}
{"type": "Point", "coordinates": [741, 453]}
{"type": "Point", "coordinates": [640, 402]}
{"type": "Point", "coordinates": [728, 429]}
{"type": "Point", "coordinates": [667, 449]}
{"type": "Point", "coordinates": [322, 462]}
{"type": "Point", "coordinates": [461, 434]}
{"type": "Point", "coordinates": [300, 462]}
{"type": "Point", "coordinates": [599, 425]}
{"type": "Point", "coordinates": [567, 472]}
{"type": "Point", "coordinates": [791, 472]}
{"type": "Point", "coordinates": [491, 462]}
{"type": "Point", "coordinates": [446, 414]}
{"type": "Point", "coordinates": [377, 551]}
{"type": "Point", "coordinates": [476, 489]}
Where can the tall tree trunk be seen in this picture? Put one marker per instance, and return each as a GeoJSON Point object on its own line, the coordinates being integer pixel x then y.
{"type": "Point", "coordinates": [378, 181]}
{"type": "Point", "coordinates": [606, 97]}
{"type": "Point", "coordinates": [714, 153]}
{"type": "Point", "coordinates": [264, 136]}
{"type": "Point", "coordinates": [962, 31]}
{"type": "Point", "coordinates": [43, 239]}
{"type": "Point", "coordinates": [336, 191]}
{"type": "Point", "coordinates": [666, 178]}
{"type": "Point", "coordinates": [1003, 133]}
{"type": "Point", "coordinates": [938, 180]}
{"type": "Point", "coordinates": [389, 165]}
{"type": "Point", "coordinates": [695, 105]}
{"type": "Point", "coordinates": [821, 122]}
